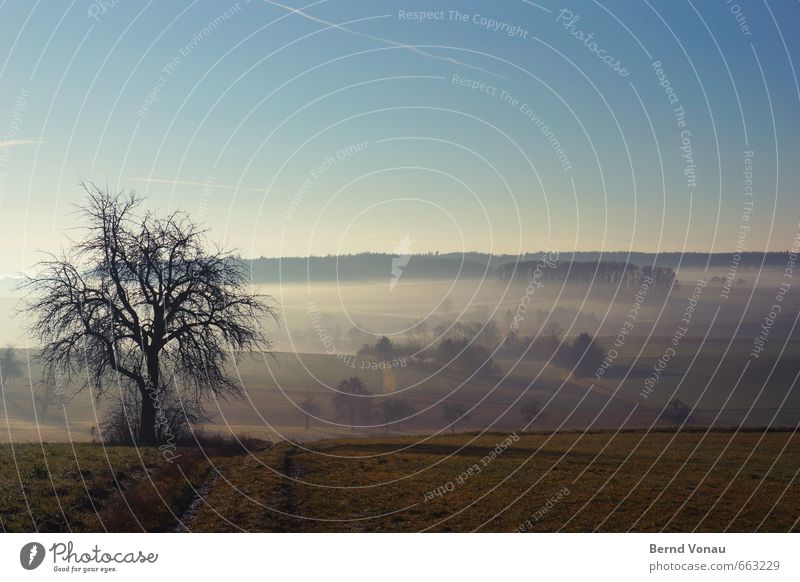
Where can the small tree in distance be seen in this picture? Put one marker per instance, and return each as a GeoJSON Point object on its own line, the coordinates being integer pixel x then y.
{"type": "Point", "coordinates": [453, 413]}
{"type": "Point", "coordinates": [308, 408]}
{"type": "Point", "coordinates": [395, 409]}
{"type": "Point", "coordinates": [49, 393]}
{"type": "Point", "coordinates": [529, 411]}
{"type": "Point", "coordinates": [384, 349]}
{"type": "Point", "coordinates": [352, 402]}
{"type": "Point", "coordinates": [10, 366]}
{"type": "Point", "coordinates": [676, 412]}
{"type": "Point", "coordinates": [584, 356]}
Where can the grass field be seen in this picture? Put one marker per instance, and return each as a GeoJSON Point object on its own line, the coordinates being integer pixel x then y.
{"type": "Point", "coordinates": [601, 481]}
{"type": "Point", "coordinates": [88, 488]}
{"type": "Point", "coordinates": [632, 481]}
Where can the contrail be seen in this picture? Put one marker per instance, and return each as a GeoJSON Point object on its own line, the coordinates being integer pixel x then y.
{"type": "Point", "coordinates": [200, 184]}
{"type": "Point", "coordinates": [417, 50]}
{"type": "Point", "coordinates": [17, 142]}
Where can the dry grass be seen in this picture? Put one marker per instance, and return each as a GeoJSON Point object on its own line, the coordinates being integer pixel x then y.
{"type": "Point", "coordinates": [382, 487]}
{"type": "Point", "coordinates": [58, 487]}
{"type": "Point", "coordinates": [88, 487]}
{"type": "Point", "coordinates": [720, 481]}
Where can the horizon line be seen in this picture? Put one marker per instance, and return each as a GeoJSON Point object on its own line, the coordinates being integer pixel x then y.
{"type": "Point", "coordinates": [510, 254]}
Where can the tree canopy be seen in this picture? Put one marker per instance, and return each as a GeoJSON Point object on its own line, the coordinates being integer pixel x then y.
{"type": "Point", "coordinates": [143, 305]}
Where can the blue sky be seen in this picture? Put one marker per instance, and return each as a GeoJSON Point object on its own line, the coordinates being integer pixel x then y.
{"type": "Point", "coordinates": [315, 128]}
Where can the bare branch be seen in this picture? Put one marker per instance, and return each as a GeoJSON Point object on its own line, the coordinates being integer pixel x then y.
{"type": "Point", "coordinates": [144, 301]}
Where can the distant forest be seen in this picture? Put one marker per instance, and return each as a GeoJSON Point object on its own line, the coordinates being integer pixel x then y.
{"type": "Point", "coordinates": [432, 266]}
{"type": "Point", "coordinates": [595, 272]}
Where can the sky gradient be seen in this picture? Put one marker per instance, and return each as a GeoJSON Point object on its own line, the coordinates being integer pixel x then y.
{"type": "Point", "coordinates": [334, 127]}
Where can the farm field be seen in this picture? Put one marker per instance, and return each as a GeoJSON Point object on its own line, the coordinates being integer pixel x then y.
{"type": "Point", "coordinates": [58, 487]}
{"type": "Point", "coordinates": [88, 487]}
{"type": "Point", "coordinates": [275, 388]}
{"type": "Point", "coordinates": [599, 481]}
{"type": "Point", "coordinates": [631, 481]}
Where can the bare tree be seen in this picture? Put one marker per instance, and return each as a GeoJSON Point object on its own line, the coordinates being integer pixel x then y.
{"type": "Point", "coordinates": [120, 426]}
{"type": "Point", "coordinates": [352, 401]}
{"type": "Point", "coordinates": [48, 393]}
{"type": "Point", "coordinates": [308, 408]}
{"type": "Point", "coordinates": [143, 301]}
{"type": "Point", "coordinates": [454, 413]}
{"type": "Point", "coordinates": [384, 349]}
{"type": "Point", "coordinates": [552, 329]}
{"type": "Point", "coordinates": [10, 366]}
{"type": "Point", "coordinates": [395, 410]}
{"type": "Point", "coordinates": [423, 326]}
{"type": "Point", "coordinates": [677, 412]}
{"type": "Point", "coordinates": [585, 355]}
{"type": "Point", "coordinates": [530, 410]}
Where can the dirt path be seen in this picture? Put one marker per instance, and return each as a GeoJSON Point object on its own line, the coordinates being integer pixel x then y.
{"type": "Point", "coordinates": [287, 501]}
{"type": "Point", "coordinates": [184, 524]}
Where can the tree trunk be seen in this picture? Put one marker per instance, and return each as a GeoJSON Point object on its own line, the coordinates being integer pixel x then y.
{"type": "Point", "coordinates": [147, 426]}
{"type": "Point", "coordinates": [147, 422]}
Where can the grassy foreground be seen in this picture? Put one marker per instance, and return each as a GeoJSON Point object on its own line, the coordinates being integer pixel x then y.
{"type": "Point", "coordinates": [571, 482]}
{"type": "Point", "coordinates": [719, 481]}
{"type": "Point", "coordinates": [86, 487]}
